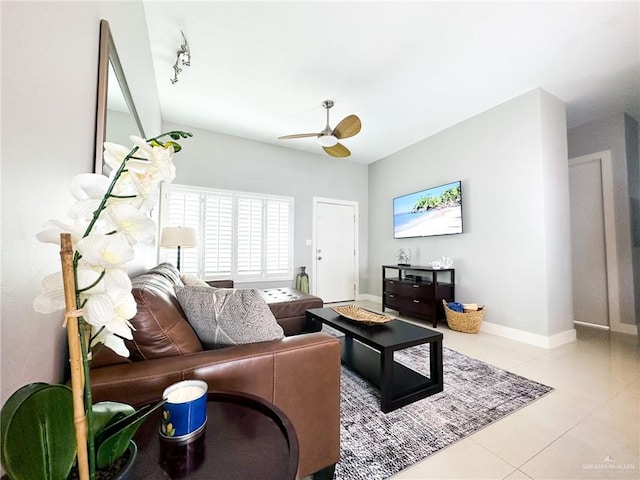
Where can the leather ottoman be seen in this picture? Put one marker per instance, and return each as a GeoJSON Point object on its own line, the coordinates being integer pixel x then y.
{"type": "Point", "coordinates": [289, 306]}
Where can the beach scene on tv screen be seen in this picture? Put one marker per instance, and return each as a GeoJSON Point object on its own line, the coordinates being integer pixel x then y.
{"type": "Point", "coordinates": [434, 211]}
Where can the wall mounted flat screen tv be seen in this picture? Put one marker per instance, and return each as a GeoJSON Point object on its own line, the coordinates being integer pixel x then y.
{"type": "Point", "coordinates": [434, 211]}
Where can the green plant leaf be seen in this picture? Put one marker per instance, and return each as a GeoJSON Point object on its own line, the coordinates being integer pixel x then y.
{"type": "Point", "coordinates": [176, 146]}
{"type": "Point", "coordinates": [178, 134]}
{"type": "Point", "coordinates": [37, 433]}
{"type": "Point", "coordinates": [113, 440]}
{"type": "Point", "coordinates": [107, 413]}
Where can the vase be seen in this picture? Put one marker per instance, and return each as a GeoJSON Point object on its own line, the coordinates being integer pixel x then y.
{"type": "Point", "coordinates": [302, 281]}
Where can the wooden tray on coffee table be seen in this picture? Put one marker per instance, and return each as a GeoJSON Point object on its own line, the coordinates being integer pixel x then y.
{"type": "Point", "coordinates": [360, 315]}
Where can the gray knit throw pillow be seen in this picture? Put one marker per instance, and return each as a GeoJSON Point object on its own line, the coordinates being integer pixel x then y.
{"type": "Point", "coordinates": [222, 317]}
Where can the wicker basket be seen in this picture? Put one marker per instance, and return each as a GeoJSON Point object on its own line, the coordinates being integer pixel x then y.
{"type": "Point", "coordinates": [467, 322]}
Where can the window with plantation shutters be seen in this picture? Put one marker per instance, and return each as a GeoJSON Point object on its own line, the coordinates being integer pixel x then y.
{"type": "Point", "coordinates": [243, 236]}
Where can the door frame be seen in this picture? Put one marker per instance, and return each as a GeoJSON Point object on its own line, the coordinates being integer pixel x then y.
{"type": "Point", "coordinates": [611, 249]}
{"type": "Point", "coordinates": [356, 241]}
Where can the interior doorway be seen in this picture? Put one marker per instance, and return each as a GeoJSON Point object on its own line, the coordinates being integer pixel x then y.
{"type": "Point", "coordinates": [593, 247]}
{"type": "Point", "coordinates": [335, 250]}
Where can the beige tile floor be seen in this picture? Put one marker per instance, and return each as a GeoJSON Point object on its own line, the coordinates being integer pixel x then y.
{"type": "Point", "coordinates": [587, 428]}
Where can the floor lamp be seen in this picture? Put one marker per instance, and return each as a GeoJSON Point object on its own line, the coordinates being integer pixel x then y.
{"type": "Point", "coordinates": [173, 237]}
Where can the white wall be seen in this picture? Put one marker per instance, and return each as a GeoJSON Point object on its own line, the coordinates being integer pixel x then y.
{"type": "Point", "coordinates": [215, 160]}
{"type": "Point", "coordinates": [515, 211]}
{"type": "Point", "coordinates": [49, 84]}
{"type": "Point", "coordinates": [610, 134]}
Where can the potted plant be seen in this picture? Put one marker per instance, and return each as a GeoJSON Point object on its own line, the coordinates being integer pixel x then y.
{"type": "Point", "coordinates": [46, 430]}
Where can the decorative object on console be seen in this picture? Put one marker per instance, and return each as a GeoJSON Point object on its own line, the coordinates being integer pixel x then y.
{"type": "Point", "coordinates": [110, 215]}
{"type": "Point", "coordinates": [181, 237]}
{"type": "Point", "coordinates": [328, 138]}
{"type": "Point", "coordinates": [183, 59]}
{"type": "Point", "coordinates": [302, 281]}
{"type": "Point", "coordinates": [442, 262]}
{"type": "Point", "coordinates": [404, 257]}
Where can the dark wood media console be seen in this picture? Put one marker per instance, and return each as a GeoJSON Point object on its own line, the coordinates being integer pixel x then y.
{"type": "Point", "coordinates": [418, 291]}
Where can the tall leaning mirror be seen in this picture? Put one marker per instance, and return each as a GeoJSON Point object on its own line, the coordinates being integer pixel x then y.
{"type": "Point", "coordinates": [116, 116]}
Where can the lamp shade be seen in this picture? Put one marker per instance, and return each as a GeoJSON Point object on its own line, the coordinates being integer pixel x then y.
{"type": "Point", "coordinates": [178, 237]}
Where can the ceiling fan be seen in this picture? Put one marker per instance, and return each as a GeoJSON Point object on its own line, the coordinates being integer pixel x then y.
{"type": "Point", "coordinates": [328, 138]}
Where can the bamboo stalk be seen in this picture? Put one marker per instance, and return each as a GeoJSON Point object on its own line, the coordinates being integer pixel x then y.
{"type": "Point", "coordinates": [75, 354]}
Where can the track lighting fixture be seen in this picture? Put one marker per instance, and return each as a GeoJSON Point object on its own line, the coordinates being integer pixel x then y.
{"type": "Point", "coordinates": [183, 58]}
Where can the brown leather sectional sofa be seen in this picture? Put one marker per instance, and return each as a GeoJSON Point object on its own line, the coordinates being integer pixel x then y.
{"type": "Point", "coordinates": [300, 373]}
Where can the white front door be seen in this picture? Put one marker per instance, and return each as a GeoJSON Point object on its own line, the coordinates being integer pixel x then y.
{"type": "Point", "coordinates": [335, 250]}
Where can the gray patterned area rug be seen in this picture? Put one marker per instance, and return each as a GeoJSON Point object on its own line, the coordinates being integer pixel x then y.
{"type": "Point", "coordinates": [375, 446]}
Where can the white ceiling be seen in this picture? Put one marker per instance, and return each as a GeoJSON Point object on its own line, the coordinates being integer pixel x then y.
{"type": "Point", "coordinates": [260, 70]}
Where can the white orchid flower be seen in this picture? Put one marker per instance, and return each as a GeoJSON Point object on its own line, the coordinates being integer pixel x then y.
{"type": "Point", "coordinates": [103, 238]}
{"type": "Point", "coordinates": [138, 190]}
{"type": "Point", "coordinates": [55, 228]}
{"type": "Point", "coordinates": [83, 210]}
{"type": "Point", "coordinates": [145, 176]}
{"type": "Point", "coordinates": [135, 225]}
{"type": "Point", "coordinates": [160, 157]}
{"type": "Point", "coordinates": [110, 311]}
{"type": "Point", "coordinates": [89, 185]}
{"type": "Point", "coordinates": [124, 310]}
{"type": "Point", "coordinates": [94, 280]}
{"type": "Point", "coordinates": [111, 341]}
{"type": "Point", "coordinates": [114, 154]}
{"type": "Point", "coordinates": [107, 251]}
{"type": "Point", "coordinates": [125, 187]}
{"type": "Point", "coordinates": [52, 297]}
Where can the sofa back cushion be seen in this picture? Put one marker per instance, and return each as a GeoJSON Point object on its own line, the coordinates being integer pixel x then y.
{"type": "Point", "coordinates": [161, 328]}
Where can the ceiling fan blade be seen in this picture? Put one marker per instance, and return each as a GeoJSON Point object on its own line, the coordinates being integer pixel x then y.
{"type": "Point", "coordinates": [338, 150]}
{"type": "Point", "coordinates": [348, 127]}
{"type": "Point", "coordinates": [299, 135]}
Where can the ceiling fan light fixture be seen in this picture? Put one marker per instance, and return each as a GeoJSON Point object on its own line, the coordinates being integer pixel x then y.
{"type": "Point", "coordinates": [327, 140]}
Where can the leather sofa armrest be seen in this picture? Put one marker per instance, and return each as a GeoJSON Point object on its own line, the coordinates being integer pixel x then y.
{"type": "Point", "coordinates": [300, 375]}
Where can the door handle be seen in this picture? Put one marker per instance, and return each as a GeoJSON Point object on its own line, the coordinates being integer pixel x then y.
{"type": "Point", "coordinates": [319, 258]}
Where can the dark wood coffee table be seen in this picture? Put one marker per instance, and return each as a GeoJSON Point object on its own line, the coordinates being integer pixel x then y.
{"type": "Point", "coordinates": [368, 350]}
{"type": "Point", "coordinates": [245, 437]}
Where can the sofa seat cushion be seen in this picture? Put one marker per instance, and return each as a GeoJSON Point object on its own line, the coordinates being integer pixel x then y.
{"type": "Point", "coordinates": [223, 317]}
{"type": "Point", "coordinates": [161, 329]}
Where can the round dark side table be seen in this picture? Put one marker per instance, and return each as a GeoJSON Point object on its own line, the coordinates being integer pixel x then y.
{"type": "Point", "coordinates": [245, 437]}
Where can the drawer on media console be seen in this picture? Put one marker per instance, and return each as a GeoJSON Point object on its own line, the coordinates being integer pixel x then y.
{"type": "Point", "coordinates": [409, 305]}
{"type": "Point", "coordinates": [407, 289]}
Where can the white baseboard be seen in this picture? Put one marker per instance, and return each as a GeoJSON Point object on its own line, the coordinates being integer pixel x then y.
{"type": "Point", "coordinates": [508, 332]}
{"type": "Point", "coordinates": [369, 297]}
{"type": "Point", "coordinates": [535, 339]}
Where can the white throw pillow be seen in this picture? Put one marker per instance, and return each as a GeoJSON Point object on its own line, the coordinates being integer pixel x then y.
{"type": "Point", "coordinates": [222, 317]}
{"type": "Point", "coordinates": [193, 281]}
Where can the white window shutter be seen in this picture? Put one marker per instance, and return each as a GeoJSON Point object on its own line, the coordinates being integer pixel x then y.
{"type": "Point", "coordinates": [277, 248]}
{"type": "Point", "coordinates": [249, 240]}
{"type": "Point", "coordinates": [183, 211]}
{"type": "Point", "coordinates": [218, 235]}
{"type": "Point", "coordinates": [242, 236]}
